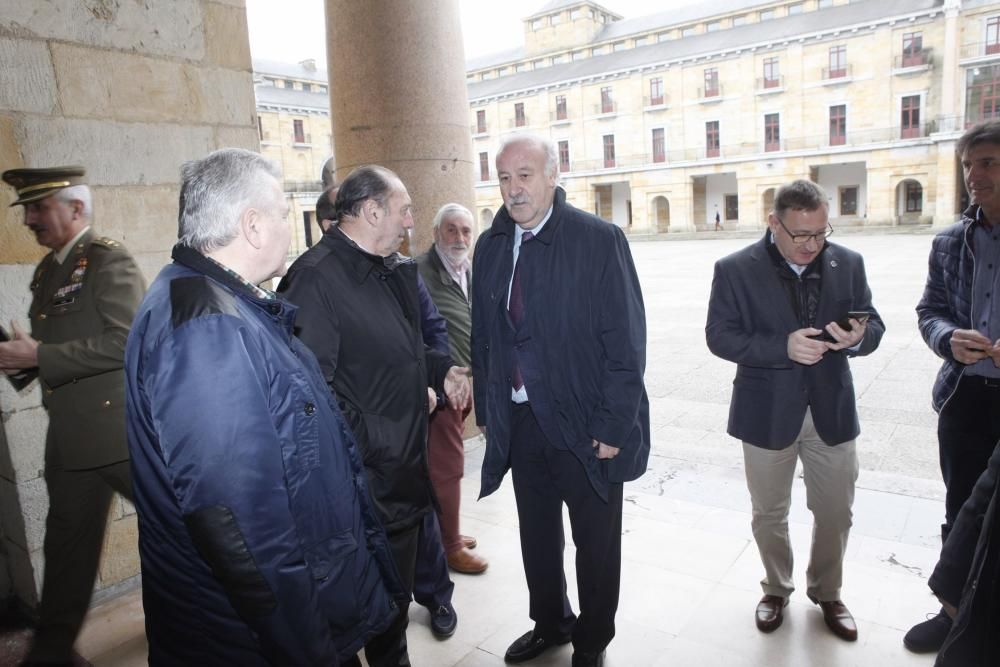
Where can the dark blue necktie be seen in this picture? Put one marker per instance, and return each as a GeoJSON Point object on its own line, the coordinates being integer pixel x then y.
{"type": "Point", "coordinates": [516, 308]}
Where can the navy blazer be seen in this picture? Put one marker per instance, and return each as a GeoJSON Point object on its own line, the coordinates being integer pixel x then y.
{"type": "Point", "coordinates": [749, 319]}
{"type": "Point", "coordinates": [585, 336]}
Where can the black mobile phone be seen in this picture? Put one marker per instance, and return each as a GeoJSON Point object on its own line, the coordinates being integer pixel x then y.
{"type": "Point", "coordinates": [844, 323]}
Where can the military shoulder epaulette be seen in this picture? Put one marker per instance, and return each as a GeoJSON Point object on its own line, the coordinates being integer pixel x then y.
{"type": "Point", "coordinates": [106, 242]}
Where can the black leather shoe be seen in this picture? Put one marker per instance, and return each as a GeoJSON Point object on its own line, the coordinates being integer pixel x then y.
{"type": "Point", "coordinates": [585, 659]}
{"type": "Point", "coordinates": [444, 620]}
{"type": "Point", "coordinates": [531, 645]}
{"type": "Point", "coordinates": [929, 636]}
{"type": "Point", "coordinates": [770, 612]}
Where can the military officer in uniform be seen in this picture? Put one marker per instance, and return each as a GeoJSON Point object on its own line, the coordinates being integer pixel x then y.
{"type": "Point", "coordinates": [84, 295]}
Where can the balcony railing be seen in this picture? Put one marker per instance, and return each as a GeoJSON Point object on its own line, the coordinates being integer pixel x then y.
{"type": "Point", "coordinates": [556, 117]}
{"type": "Point", "coordinates": [710, 94]}
{"type": "Point", "coordinates": [518, 122]}
{"type": "Point", "coordinates": [853, 138]}
{"type": "Point", "coordinates": [303, 186]}
{"type": "Point", "coordinates": [605, 108]}
{"type": "Point", "coordinates": [979, 50]}
{"type": "Point", "coordinates": [835, 74]}
{"type": "Point", "coordinates": [661, 101]}
{"type": "Point", "coordinates": [921, 58]}
{"type": "Point", "coordinates": [772, 85]}
{"type": "Point", "coordinates": [476, 129]}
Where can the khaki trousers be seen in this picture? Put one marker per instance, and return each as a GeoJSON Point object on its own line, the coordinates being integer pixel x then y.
{"type": "Point", "coordinates": [829, 473]}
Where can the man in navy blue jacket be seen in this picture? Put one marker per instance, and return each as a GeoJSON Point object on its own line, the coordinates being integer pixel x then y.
{"type": "Point", "coordinates": [258, 540]}
{"type": "Point", "coordinates": [558, 353]}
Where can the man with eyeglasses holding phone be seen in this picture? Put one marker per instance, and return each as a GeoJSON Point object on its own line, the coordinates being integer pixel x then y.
{"type": "Point", "coordinates": [790, 310]}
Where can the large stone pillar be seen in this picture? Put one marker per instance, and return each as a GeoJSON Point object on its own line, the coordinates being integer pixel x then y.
{"type": "Point", "coordinates": [398, 98]}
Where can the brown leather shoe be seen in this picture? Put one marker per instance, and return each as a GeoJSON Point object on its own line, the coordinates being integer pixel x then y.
{"type": "Point", "coordinates": [838, 618]}
{"type": "Point", "coordinates": [468, 542]}
{"type": "Point", "coordinates": [464, 561]}
{"type": "Point", "coordinates": [770, 612]}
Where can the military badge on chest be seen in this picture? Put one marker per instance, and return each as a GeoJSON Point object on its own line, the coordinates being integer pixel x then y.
{"type": "Point", "coordinates": [67, 294]}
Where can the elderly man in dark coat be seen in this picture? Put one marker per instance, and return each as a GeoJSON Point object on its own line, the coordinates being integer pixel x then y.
{"type": "Point", "coordinates": [558, 356]}
{"type": "Point", "coordinates": [359, 313]}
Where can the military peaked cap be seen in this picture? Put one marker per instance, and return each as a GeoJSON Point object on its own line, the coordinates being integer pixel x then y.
{"type": "Point", "coordinates": [35, 184]}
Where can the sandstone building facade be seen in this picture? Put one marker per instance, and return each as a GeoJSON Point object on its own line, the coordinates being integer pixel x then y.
{"type": "Point", "coordinates": [666, 120]}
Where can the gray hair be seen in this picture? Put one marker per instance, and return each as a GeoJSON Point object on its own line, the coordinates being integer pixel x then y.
{"type": "Point", "coordinates": [215, 192]}
{"type": "Point", "coordinates": [449, 210]}
{"type": "Point", "coordinates": [800, 195]}
{"type": "Point", "coordinates": [546, 145]}
{"type": "Point", "coordinates": [80, 193]}
{"type": "Point", "coordinates": [983, 133]}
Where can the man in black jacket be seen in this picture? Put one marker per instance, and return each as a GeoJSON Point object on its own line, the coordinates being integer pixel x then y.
{"type": "Point", "coordinates": [967, 577]}
{"type": "Point", "coordinates": [359, 314]}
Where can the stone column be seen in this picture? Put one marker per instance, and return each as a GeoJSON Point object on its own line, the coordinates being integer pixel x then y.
{"type": "Point", "coordinates": [398, 98]}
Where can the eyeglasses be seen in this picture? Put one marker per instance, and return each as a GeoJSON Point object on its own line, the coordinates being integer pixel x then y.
{"type": "Point", "coordinates": [802, 239]}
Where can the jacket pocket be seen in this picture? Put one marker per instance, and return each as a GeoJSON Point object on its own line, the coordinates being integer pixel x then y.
{"type": "Point", "coordinates": [305, 423]}
{"type": "Point", "coordinates": [324, 555]}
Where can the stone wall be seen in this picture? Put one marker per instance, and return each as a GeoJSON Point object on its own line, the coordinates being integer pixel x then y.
{"type": "Point", "coordinates": [130, 90]}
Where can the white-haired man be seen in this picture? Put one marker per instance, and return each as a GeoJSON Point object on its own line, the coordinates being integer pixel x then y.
{"type": "Point", "coordinates": [558, 354]}
{"type": "Point", "coordinates": [447, 271]}
{"type": "Point", "coordinates": [258, 540]}
{"type": "Point", "coordinates": [84, 295]}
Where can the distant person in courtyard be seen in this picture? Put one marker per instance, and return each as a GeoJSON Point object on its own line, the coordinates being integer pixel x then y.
{"type": "Point", "coordinates": [959, 318]}
{"type": "Point", "coordinates": [718, 221]}
{"type": "Point", "coordinates": [84, 294]}
{"type": "Point", "coordinates": [790, 310]}
{"type": "Point", "coordinates": [558, 357]}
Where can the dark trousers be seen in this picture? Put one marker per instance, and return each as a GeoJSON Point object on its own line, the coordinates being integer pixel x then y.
{"type": "Point", "coordinates": [544, 478]}
{"type": "Point", "coordinates": [74, 534]}
{"type": "Point", "coordinates": [389, 648]}
{"type": "Point", "coordinates": [432, 587]}
{"type": "Point", "coordinates": [968, 430]}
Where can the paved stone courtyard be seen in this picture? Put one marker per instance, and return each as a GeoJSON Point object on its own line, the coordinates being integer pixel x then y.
{"type": "Point", "coordinates": [691, 570]}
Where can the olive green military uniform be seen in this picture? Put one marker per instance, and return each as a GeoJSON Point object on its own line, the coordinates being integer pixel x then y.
{"type": "Point", "coordinates": [80, 313]}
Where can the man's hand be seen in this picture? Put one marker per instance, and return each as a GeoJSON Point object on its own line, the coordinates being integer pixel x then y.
{"type": "Point", "coordinates": [844, 338]}
{"type": "Point", "coordinates": [605, 451]}
{"type": "Point", "coordinates": [969, 346]}
{"type": "Point", "coordinates": [805, 350]}
{"type": "Point", "coordinates": [457, 387]}
{"type": "Point", "coordinates": [20, 352]}
{"type": "Point", "coordinates": [432, 401]}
